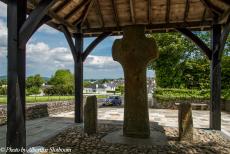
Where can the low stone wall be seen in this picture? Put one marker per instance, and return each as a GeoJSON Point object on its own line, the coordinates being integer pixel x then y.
{"type": "Point", "coordinates": [161, 104]}
{"type": "Point", "coordinates": [39, 110]}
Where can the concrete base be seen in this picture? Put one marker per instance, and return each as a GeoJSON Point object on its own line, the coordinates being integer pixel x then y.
{"type": "Point", "coordinates": [156, 138]}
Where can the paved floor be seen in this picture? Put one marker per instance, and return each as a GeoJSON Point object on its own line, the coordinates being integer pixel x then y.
{"type": "Point", "coordinates": [163, 117]}
{"type": "Point", "coordinates": [41, 129]}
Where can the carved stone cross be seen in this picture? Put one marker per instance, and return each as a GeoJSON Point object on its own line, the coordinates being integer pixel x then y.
{"type": "Point", "coordinates": [134, 51]}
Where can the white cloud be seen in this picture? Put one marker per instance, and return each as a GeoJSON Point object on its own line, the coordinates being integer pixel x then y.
{"type": "Point", "coordinates": [3, 10]}
{"type": "Point", "coordinates": [3, 33]}
{"type": "Point", "coordinates": [48, 29]}
{"type": "Point", "coordinates": [101, 62]}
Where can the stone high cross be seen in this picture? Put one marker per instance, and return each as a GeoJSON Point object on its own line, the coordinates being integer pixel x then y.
{"type": "Point", "coordinates": [134, 51]}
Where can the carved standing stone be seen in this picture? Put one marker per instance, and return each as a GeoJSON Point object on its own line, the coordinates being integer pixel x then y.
{"type": "Point", "coordinates": [90, 115]}
{"type": "Point", "coordinates": [134, 51]}
{"type": "Point", "coordinates": [185, 122]}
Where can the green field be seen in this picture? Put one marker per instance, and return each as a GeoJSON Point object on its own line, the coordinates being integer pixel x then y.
{"type": "Point", "coordinates": [34, 99]}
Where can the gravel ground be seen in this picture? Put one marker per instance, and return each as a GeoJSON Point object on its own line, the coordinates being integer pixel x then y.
{"type": "Point", "coordinates": [205, 141]}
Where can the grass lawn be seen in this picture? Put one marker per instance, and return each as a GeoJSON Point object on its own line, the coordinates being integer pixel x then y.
{"type": "Point", "coordinates": [34, 99]}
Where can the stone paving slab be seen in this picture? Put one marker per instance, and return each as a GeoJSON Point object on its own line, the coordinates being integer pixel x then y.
{"type": "Point", "coordinates": [40, 129]}
{"type": "Point", "coordinates": [164, 117]}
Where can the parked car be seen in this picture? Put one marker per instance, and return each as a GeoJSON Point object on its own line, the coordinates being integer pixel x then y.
{"type": "Point", "coordinates": [112, 101]}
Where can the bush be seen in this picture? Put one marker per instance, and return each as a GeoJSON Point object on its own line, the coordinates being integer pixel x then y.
{"type": "Point", "coordinates": [187, 94]}
{"type": "Point", "coordinates": [59, 90]}
{"type": "Point", "coordinates": [3, 91]}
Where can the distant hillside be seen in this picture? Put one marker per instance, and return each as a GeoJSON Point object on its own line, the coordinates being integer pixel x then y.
{"type": "Point", "coordinates": [5, 77]}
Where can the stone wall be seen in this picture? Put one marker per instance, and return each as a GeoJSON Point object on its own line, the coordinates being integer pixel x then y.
{"type": "Point", "coordinates": [165, 104]}
{"type": "Point", "coordinates": [39, 110]}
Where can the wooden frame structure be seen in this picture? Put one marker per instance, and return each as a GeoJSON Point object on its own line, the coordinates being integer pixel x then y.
{"type": "Point", "coordinates": [101, 18]}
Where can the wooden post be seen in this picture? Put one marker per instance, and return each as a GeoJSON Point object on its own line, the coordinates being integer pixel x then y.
{"type": "Point", "coordinates": [16, 131]}
{"type": "Point", "coordinates": [215, 104]}
{"type": "Point", "coordinates": [78, 75]}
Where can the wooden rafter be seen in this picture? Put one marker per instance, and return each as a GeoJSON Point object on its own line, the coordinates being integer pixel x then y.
{"type": "Point", "coordinates": [76, 9]}
{"type": "Point", "coordinates": [149, 11]}
{"type": "Point", "coordinates": [206, 50]}
{"type": "Point", "coordinates": [132, 13]}
{"type": "Point", "coordinates": [98, 9]}
{"type": "Point", "coordinates": [213, 8]}
{"type": "Point", "coordinates": [168, 4]}
{"type": "Point", "coordinates": [224, 17]}
{"type": "Point", "coordinates": [33, 21]}
{"type": "Point", "coordinates": [225, 1]}
{"type": "Point", "coordinates": [62, 6]}
{"type": "Point", "coordinates": [186, 11]}
{"type": "Point", "coordinates": [115, 13]}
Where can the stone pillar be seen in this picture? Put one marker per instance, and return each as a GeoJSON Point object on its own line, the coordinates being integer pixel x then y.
{"type": "Point", "coordinates": [185, 122]}
{"type": "Point", "coordinates": [134, 51]}
{"type": "Point", "coordinates": [90, 115]}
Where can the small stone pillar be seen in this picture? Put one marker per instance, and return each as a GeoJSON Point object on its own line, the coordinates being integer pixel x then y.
{"type": "Point", "coordinates": [134, 51]}
{"type": "Point", "coordinates": [90, 115]}
{"type": "Point", "coordinates": [185, 122]}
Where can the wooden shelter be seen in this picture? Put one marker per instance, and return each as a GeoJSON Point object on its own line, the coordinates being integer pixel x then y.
{"type": "Point", "coordinates": [84, 18]}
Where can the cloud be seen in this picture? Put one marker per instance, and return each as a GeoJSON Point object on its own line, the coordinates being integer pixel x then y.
{"type": "Point", "coordinates": [101, 62]}
{"type": "Point", "coordinates": [3, 34]}
{"type": "Point", "coordinates": [3, 10]}
{"type": "Point", "coordinates": [47, 29]}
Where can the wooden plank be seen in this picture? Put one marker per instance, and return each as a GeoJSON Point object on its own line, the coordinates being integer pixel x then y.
{"type": "Point", "coordinates": [115, 13]}
{"type": "Point", "coordinates": [132, 13]}
{"type": "Point", "coordinates": [187, 5]}
{"type": "Point", "coordinates": [168, 11]}
{"type": "Point", "coordinates": [33, 21]}
{"type": "Point", "coordinates": [98, 8]}
{"type": "Point", "coordinates": [149, 11]}
{"type": "Point", "coordinates": [78, 75]}
{"type": "Point", "coordinates": [16, 130]}
{"type": "Point", "coordinates": [214, 9]}
{"type": "Point", "coordinates": [90, 48]}
{"type": "Point", "coordinates": [204, 48]}
{"type": "Point", "coordinates": [62, 5]}
{"type": "Point", "coordinates": [225, 1]}
{"type": "Point", "coordinates": [76, 9]}
{"type": "Point", "coordinates": [215, 104]}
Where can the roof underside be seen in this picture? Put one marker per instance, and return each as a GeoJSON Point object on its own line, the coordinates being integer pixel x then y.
{"type": "Point", "coordinates": [97, 16]}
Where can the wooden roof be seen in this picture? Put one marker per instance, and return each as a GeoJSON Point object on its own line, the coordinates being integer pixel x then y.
{"type": "Point", "coordinates": [97, 16]}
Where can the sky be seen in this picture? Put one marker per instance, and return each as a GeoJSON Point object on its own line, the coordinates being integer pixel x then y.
{"type": "Point", "coordinates": [48, 51]}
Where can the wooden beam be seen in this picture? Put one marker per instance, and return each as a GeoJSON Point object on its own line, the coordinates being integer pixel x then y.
{"type": "Point", "coordinates": [197, 41]}
{"type": "Point", "coordinates": [224, 37]}
{"type": "Point", "coordinates": [224, 17]}
{"type": "Point", "coordinates": [132, 13]}
{"type": "Point", "coordinates": [62, 5]}
{"type": "Point", "coordinates": [76, 9]}
{"type": "Point", "coordinates": [215, 104]}
{"type": "Point", "coordinates": [90, 48]}
{"type": "Point", "coordinates": [84, 15]}
{"type": "Point", "coordinates": [168, 4]}
{"type": "Point", "coordinates": [16, 129]}
{"type": "Point", "coordinates": [149, 11]}
{"type": "Point", "coordinates": [116, 18]}
{"type": "Point", "coordinates": [78, 75]}
{"type": "Point", "coordinates": [98, 8]}
{"type": "Point", "coordinates": [33, 21]}
{"type": "Point", "coordinates": [225, 1]}
{"type": "Point", "coordinates": [187, 5]}
{"type": "Point", "coordinates": [213, 8]}
{"type": "Point", "coordinates": [70, 41]}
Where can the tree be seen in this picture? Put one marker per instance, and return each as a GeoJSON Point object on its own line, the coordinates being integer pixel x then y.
{"type": "Point", "coordinates": [34, 81]}
{"type": "Point", "coordinates": [62, 77]}
{"type": "Point", "coordinates": [62, 83]}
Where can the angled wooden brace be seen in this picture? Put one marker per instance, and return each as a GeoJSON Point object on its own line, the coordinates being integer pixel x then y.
{"type": "Point", "coordinates": [70, 41]}
{"type": "Point", "coordinates": [34, 21]}
{"type": "Point", "coordinates": [90, 48]}
{"type": "Point", "coordinates": [214, 9]}
{"type": "Point", "coordinates": [206, 50]}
